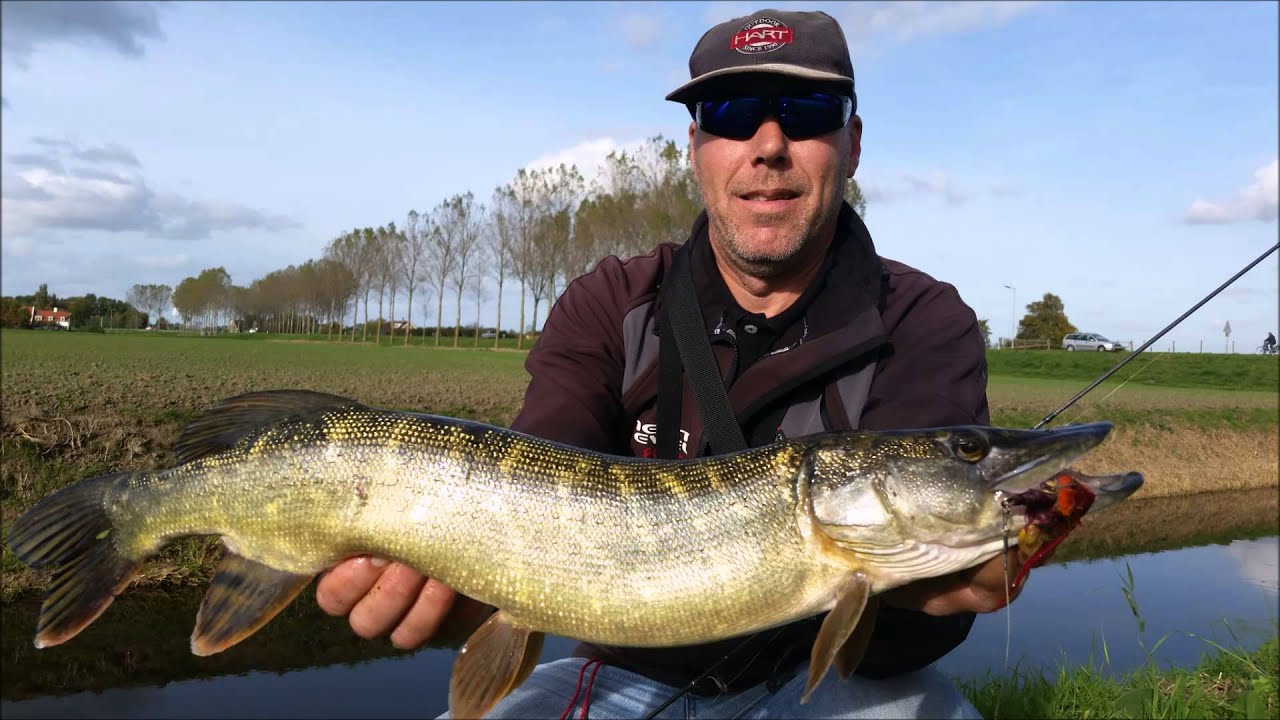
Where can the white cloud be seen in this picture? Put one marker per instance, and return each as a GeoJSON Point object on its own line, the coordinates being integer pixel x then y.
{"type": "Point", "coordinates": [877, 189]}
{"type": "Point", "coordinates": [1256, 201]}
{"type": "Point", "coordinates": [106, 191]}
{"type": "Point", "coordinates": [937, 183]}
{"type": "Point", "coordinates": [589, 156]}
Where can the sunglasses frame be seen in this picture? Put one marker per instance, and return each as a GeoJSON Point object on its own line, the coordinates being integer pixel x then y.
{"type": "Point", "coordinates": [773, 108]}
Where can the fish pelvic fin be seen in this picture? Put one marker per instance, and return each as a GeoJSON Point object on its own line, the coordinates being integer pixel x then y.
{"type": "Point", "coordinates": [855, 647]}
{"type": "Point", "coordinates": [851, 600]}
{"type": "Point", "coordinates": [244, 595]}
{"type": "Point", "coordinates": [71, 533]}
{"type": "Point", "coordinates": [233, 419]}
{"type": "Point", "coordinates": [496, 659]}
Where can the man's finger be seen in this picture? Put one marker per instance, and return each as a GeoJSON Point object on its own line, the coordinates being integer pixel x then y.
{"type": "Point", "coordinates": [387, 602]}
{"type": "Point", "coordinates": [347, 583]}
{"type": "Point", "coordinates": [425, 616]}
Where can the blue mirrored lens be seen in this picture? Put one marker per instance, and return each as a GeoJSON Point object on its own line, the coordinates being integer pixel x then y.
{"type": "Point", "coordinates": [801, 117]}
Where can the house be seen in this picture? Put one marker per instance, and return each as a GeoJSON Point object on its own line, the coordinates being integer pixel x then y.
{"type": "Point", "coordinates": [397, 326]}
{"type": "Point", "coordinates": [60, 318]}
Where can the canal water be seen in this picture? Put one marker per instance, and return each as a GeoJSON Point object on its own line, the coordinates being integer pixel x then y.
{"type": "Point", "coordinates": [1200, 568]}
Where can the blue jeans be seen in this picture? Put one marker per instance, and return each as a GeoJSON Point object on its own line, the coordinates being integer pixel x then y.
{"type": "Point", "coordinates": [618, 693]}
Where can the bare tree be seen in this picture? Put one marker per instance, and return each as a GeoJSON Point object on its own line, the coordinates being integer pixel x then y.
{"type": "Point", "coordinates": [523, 198]}
{"type": "Point", "coordinates": [501, 239]}
{"type": "Point", "coordinates": [413, 256]}
{"type": "Point", "coordinates": [442, 258]}
{"type": "Point", "coordinates": [461, 220]}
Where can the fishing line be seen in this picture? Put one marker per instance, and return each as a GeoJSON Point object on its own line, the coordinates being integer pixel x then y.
{"type": "Point", "coordinates": [1113, 391]}
{"type": "Point", "coordinates": [1154, 338]}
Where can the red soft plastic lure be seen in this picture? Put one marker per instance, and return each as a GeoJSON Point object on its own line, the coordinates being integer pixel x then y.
{"type": "Point", "coordinates": [1053, 511]}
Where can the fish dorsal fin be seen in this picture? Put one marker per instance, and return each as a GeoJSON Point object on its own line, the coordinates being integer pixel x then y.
{"type": "Point", "coordinates": [229, 421]}
{"type": "Point", "coordinates": [497, 658]}
{"type": "Point", "coordinates": [244, 596]}
{"type": "Point", "coordinates": [851, 600]}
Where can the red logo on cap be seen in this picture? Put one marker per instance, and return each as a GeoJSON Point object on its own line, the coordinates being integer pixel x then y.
{"type": "Point", "coordinates": [760, 36]}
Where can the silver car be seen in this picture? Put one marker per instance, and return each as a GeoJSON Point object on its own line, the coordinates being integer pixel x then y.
{"type": "Point", "coordinates": [1089, 341]}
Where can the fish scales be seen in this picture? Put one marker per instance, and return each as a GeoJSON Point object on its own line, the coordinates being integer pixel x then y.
{"type": "Point", "coordinates": [577, 544]}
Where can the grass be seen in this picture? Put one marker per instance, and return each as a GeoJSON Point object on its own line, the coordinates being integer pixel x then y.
{"type": "Point", "coordinates": [1226, 683]}
{"type": "Point", "coordinates": [1185, 370]}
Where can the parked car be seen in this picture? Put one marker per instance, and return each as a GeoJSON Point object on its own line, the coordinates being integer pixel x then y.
{"type": "Point", "coordinates": [1089, 341]}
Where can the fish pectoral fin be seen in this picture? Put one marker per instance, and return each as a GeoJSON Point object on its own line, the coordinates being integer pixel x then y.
{"type": "Point", "coordinates": [244, 596]}
{"type": "Point", "coordinates": [851, 599]}
{"type": "Point", "coordinates": [855, 647]}
{"type": "Point", "coordinates": [496, 659]}
{"type": "Point", "coordinates": [233, 419]}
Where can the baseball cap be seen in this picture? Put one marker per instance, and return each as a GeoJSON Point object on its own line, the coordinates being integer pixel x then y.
{"type": "Point", "coordinates": [767, 52]}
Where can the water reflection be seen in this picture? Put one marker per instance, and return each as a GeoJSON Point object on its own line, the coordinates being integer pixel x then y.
{"type": "Point", "coordinates": [1069, 610]}
{"type": "Point", "coordinates": [135, 660]}
{"type": "Point", "coordinates": [1258, 563]}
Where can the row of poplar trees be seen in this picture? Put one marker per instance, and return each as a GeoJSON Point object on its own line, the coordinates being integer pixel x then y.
{"type": "Point", "coordinates": [541, 230]}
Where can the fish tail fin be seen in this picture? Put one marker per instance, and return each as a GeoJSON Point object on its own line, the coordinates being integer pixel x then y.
{"type": "Point", "coordinates": [70, 532]}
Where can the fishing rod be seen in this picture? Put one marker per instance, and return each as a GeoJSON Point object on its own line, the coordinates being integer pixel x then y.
{"type": "Point", "coordinates": [1157, 336]}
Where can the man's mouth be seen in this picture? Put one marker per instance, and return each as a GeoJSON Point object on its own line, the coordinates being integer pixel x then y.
{"type": "Point", "coordinates": [769, 196]}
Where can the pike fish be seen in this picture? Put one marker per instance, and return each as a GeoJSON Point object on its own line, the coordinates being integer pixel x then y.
{"type": "Point", "coordinates": [614, 550]}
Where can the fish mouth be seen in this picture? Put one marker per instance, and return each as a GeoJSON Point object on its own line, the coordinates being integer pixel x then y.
{"type": "Point", "coordinates": [1024, 459]}
{"type": "Point", "coordinates": [1108, 489]}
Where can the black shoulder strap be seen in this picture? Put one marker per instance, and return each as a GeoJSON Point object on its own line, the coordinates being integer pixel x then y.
{"type": "Point", "coordinates": [684, 345]}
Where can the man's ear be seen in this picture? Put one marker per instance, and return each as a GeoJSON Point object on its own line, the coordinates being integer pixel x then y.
{"type": "Point", "coordinates": [693, 131]}
{"type": "Point", "coordinates": [855, 143]}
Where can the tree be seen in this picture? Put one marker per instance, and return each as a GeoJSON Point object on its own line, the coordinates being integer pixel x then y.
{"type": "Point", "coordinates": [461, 221]}
{"type": "Point", "coordinates": [413, 259]}
{"type": "Point", "coordinates": [853, 196]}
{"type": "Point", "coordinates": [1046, 319]}
{"type": "Point", "coordinates": [44, 299]}
{"type": "Point", "coordinates": [986, 332]}
{"type": "Point", "coordinates": [502, 239]}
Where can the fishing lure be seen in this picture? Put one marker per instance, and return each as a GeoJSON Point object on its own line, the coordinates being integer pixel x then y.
{"type": "Point", "coordinates": [1053, 510]}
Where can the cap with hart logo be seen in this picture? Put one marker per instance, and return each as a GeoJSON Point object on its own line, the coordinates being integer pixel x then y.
{"type": "Point", "coordinates": [767, 52]}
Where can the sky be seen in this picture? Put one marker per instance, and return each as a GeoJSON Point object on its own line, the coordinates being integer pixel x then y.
{"type": "Point", "coordinates": [1120, 155]}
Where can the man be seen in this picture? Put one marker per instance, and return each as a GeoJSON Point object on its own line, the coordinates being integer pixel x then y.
{"type": "Point", "coordinates": [811, 329]}
{"type": "Point", "coordinates": [1269, 345]}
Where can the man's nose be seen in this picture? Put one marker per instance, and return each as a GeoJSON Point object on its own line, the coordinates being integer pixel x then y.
{"type": "Point", "coordinates": [770, 142]}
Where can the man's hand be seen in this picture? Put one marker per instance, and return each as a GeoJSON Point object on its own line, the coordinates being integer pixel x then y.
{"type": "Point", "coordinates": [379, 597]}
{"type": "Point", "coordinates": [979, 589]}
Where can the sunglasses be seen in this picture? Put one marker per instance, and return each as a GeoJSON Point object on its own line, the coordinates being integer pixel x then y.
{"type": "Point", "coordinates": [801, 116]}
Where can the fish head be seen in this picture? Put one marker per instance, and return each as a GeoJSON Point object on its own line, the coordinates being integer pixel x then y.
{"type": "Point", "coordinates": [936, 500]}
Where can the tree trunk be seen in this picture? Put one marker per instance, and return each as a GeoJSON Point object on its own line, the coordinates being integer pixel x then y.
{"type": "Point", "coordinates": [457, 323]}
{"type": "Point", "coordinates": [439, 311]}
{"type": "Point", "coordinates": [497, 325]}
{"type": "Point", "coordinates": [408, 327]}
{"type": "Point", "coordinates": [520, 330]}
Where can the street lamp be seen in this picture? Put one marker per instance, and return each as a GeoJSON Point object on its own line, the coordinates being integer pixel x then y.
{"type": "Point", "coordinates": [1013, 316]}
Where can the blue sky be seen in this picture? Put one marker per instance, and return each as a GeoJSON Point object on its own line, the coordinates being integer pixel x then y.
{"type": "Point", "coordinates": [1123, 156]}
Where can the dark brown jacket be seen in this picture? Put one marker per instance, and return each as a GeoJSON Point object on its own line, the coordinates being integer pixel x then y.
{"type": "Point", "coordinates": [594, 386]}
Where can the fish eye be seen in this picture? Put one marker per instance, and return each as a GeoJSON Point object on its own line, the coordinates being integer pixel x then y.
{"type": "Point", "coordinates": [970, 446]}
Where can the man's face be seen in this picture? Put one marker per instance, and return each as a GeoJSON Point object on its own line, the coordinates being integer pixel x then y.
{"type": "Point", "coordinates": [769, 197]}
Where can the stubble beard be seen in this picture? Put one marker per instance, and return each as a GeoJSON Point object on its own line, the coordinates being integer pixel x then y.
{"type": "Point", "coordinates": [767, 265]}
